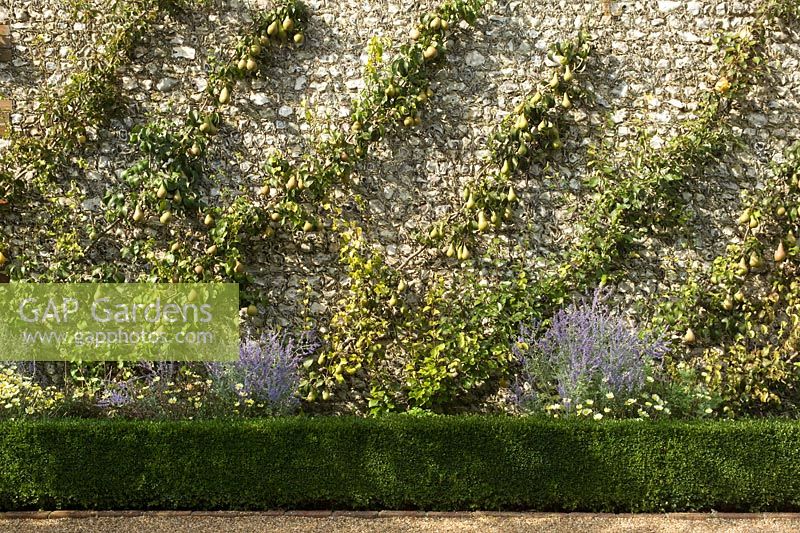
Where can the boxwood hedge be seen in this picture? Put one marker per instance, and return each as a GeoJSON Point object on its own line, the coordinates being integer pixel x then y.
{"type": "Point", "coordinates": [400, 462]}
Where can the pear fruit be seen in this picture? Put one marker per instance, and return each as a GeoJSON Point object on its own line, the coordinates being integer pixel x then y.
{"type": "Point", "coordinates": [255, 49]}
{"type": "Point", "coordinates": [689, 337]}
{"type": "Point", "coordinates": [470, 201]}
{"type": "Point", "coordinates": [755, 260]}
{"type": "Point", "coordinates": [568, 75]}
{"type": "Point", "coordinates": [308, 226]}
{"type": "Point", "coordinates": [522, 122]}
{"type": "Point", "coordinates": [138, 216]}
{"type": "Point", "coordinates": [242, 64]}
{"type": "Point", "coordinates": [554, 80]}
{"type": "Point", "coordinates": [401, 286]}
{"type": "Point", "coordinates": [288, 23]}
{"type": "Point", "coordinates": [780, 253]}
{"type": "Point", "coordinates": [727, 304]}
{"type": "Point", "coordinates": [195, 150]}
{"type": "Point", "coordinates": [212, 250]}
{"type": "Point", "coordinates": [162, 192]}
{"type": "Point", "coordinates": [430, 53]}
{"type": "Point", "coordinates": [744, 218]}
{"type": "Point", "coordinates": [275, 216]}
{"type": "Point", "coordinates": [239, 268]}
{"type": "Point", "coordinates": [177, 197]}
{"type": "Point", "coordinates": [208, 126]}
{"type": "Point", "coordinates": [224, 95]}
{"type": "Point", "coordinates": [263, 191]}
{"type": "Point", "coordinates": [166, 217]}
{"type": "Point", "coordinates": [299, 38]}
{"type": "Point", "coordinates": [435, 24]}
{"type": "Point", "coordinates": [252, 310]}
{"type": "Point", "coordinates": [251, 64]}
{"type": "Point", "coordinates": [742, 268]}
{"type": "Point", "coordinates": [415, 34]}
{"type": "Point", "coordinates": [464, 252]}
{"type": "Point", "coordinates": [739, 296]}
{"type": "Point", "coordinates": [451, 250]}
{"type": "Point", "coordinates": [199, 270]}
{"type": "Point", "coordinates": [292, 183]}
{"type": "Point", "coordinates": [272, 29]}
{"type": "Point", "coordinates": [175, 247]}
{"type": "Point", "coordinates": [208, 220]}
{"type": "Point", "coordinates": [2, 259]}
{"type": "Point", "coordinates": [511, 196]}
{"type": "Point", "coordinates": [565, 102]}
{"type": "Point", "coordinates": [482, 222]}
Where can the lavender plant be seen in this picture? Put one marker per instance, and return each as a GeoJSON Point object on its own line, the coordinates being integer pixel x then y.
{"type": "Point", "coordinates": [588, 352]}
{"type": "Point", "coordinates": [116, 395]}
{"type": "Point", "coordinates": [266, 376]}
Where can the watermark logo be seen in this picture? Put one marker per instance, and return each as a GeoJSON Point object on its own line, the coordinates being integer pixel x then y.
{"type": "Point", "coordinates": [119, 322]}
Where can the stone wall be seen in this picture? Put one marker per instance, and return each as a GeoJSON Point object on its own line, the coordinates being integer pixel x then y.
{"type": "Point", "coordinates": [652, 64]}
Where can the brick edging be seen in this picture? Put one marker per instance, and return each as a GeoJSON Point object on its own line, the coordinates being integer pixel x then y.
{"type": "Point", "coordinates": [42, 515]}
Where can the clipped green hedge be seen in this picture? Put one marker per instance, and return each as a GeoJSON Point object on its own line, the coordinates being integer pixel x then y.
{"type": "Point", "coordinates": [400, 462]}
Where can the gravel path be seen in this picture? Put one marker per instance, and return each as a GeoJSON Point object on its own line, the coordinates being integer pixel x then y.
{"type": "Point", "coordinates": [482, 524]}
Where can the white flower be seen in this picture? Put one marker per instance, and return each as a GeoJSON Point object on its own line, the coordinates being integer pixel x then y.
{"type": "Point", "coordinates": [708, 410]}
{"type": "Point", "coordinates": [606, 409]}
{"type": "Point", "coordinates": [598, 416]}
{"type": "Point", "coordinates": [610, 395]}
{"type": "Point", "coordinates": [589, 402]}
{"type": "Point", "coordinates": [658, 407]}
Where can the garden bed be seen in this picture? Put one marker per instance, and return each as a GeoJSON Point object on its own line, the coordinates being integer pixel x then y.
{"type": "Point", "coordinates": [401, 462]}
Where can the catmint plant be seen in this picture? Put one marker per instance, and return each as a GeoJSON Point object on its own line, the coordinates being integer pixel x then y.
{"type": "Point", "coordinates": [588, 351]}
{"type": "Point", "coordinates": [267, 375]}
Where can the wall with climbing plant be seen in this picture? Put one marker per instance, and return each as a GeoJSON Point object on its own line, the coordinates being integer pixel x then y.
{"type": "Point", "coordinates": [551, 208]}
